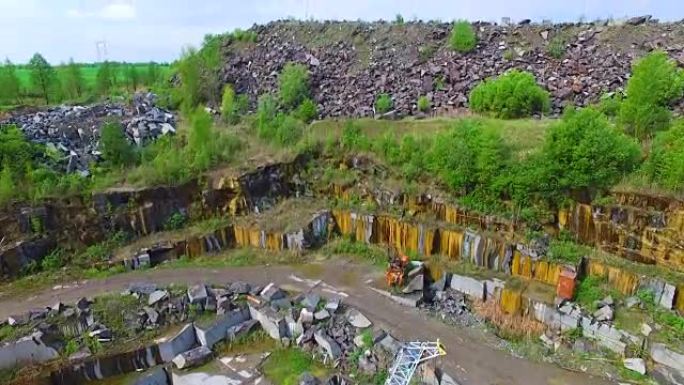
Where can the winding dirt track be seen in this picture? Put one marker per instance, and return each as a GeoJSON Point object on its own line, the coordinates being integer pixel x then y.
{"type": "Point", "coordinates": [469, 360]}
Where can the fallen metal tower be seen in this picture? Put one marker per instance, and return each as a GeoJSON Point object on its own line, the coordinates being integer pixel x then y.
{"type": "Point", "coordinates": [409, 357]}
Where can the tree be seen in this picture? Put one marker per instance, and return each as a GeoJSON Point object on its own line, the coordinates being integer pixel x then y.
{"type": "Point", "coordinates": [116, 150]}
{"type": "Point", "coordinates": [152, 74]}
{"type": "Point", "coordinates": [228, 105]}
{"type": "Point", "coordinates": [515, 94]}
{"type": "Point", "coordinates": [189, 69]}
{"type": "Point", "coordinates": [42, 76]}
{"type": "Point", "coordinates": [104, 80]}
{"type": "Point", "coordinates": [584, 154]}
{"type": "Point", "coordinates": [132, 77]}
{"type": "Point", "coordinates": [463, 38]}
{"type": "Point", "coordinates": [294, 85]}
{"type": "Point", "coordinates": [655, 84]}
{"type": "Point", "coordinates": [665, 163]}
{"type": "Point", "coordinates": [9, 83]}
{"type": "Point", "coordinates": [468, 156]}
{"type": "Point", "coordinates": [73, 82]}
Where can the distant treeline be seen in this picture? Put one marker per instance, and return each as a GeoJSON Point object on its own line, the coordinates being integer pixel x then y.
{"type": "Point", "coordinates": [38, 82]}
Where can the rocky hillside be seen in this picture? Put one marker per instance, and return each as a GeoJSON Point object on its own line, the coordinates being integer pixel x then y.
{"type": "Point", "coordinates": [352, 62]}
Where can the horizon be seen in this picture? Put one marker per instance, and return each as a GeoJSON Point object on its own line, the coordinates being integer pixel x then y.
{"type": "Point", "coordinates": [138, 31]}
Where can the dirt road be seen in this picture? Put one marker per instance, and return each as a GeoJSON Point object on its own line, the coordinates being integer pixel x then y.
{"type": "Point", "coordinates": [469, 360]}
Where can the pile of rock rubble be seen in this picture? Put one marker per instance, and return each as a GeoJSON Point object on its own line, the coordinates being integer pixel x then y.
{"type": "Point", "coordinates": [350, 63]}
{"type": "Point", "coordinates": [339, 335]}
{"type": "Point", "coordinates": [74, 131]}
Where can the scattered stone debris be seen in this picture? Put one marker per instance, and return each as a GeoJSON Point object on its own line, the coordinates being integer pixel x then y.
{"type": "Point", "coordinates": [588, 69]}
{"type": "Point", "coordinates": [74, 131]}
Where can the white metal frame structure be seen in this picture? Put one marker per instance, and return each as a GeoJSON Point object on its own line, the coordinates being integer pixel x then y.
{"type": "Point", "coordinates": [409, 357]}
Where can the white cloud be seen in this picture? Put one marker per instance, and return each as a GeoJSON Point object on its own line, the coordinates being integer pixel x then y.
{"type": "Point", "coordinates": [113, 10]}
{"type": "Point", "coordinates": [118, 11]}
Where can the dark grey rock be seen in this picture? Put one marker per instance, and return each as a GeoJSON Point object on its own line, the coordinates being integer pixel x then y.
{"type": "Point", "coordinates": [192, 358]}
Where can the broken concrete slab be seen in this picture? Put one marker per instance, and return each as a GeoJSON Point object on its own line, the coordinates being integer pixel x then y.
{"type": "Point", "coordinates": [470, 286]}
{"type": "Point", "coordinates": [662, 355]}
{"type": "Point", "coordinates": [217, 331]}
{"type": "Point", "coordinates": [157, 296]}
{"type": "Point", "coordinates": [273, 323]}
{"type": "Point", "coordinates": [332, 305]}
{"type": "Point", "coordinates": [321, 315]}
{"type": "Point", "coordinates": [311, 300]}
{"type": "Point", "coordinates": [183, 341]}
{"type": "Point", "coordinates": [357, 319]}
{"type": "Point", "coordinates": [192, 358]}
{"type": "Point", "coordinates": [29, 349]}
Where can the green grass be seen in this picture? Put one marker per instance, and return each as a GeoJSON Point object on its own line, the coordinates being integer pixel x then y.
{"type": "Point", "coordinates": [89, 72]}
{"type": "Point", "coordinates": [109, 310]}
{"type": "Point", "coordinates": [284, 366]}
{"type": "Point", "coordinates": [347, 247]}
{"type": "Point", "coordinates": [523, 135]}
{"type": "Point", "coordinates": [567, 251]}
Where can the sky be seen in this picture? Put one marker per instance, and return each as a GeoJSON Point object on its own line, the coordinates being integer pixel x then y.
{"type": "Point", "coordinates": [146, 30]}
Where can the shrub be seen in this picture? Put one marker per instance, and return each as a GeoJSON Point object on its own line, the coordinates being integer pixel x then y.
{"type": "Point", "coordinates": [463, 38]}
{"type": "Point", "coordinates": [201, 144]}
{"type": "Point", "coordinates": [665, 163]}
{"type": "Point", "coordinates": [352, 137]}
{"type": "Point", "coordinates": [423, 104]}
{"type": "Point", "coordinates": [610, 104]}
{"type": "Point", "coordinates": [467, 156]}
{"type": "Point", "coordinates": [267, 109]}
{"type": "Point", "coordinates": [515, 94]}
{"type": "Point", "coordinates": [228, 105]}
{"type": "Point", "coordinates": [7, 187]}
{"type": "Point", "coordinates": [115, 148]}
{"type": "Point", "coordinates": [288, 130]}
{"type": "Point", "coordinates": [294, 85]}
{"type": "Point", "coordinates": [176, 221]}
{"type": "Point", "coordinates": [655, 83]}
{"type": "Point", "coordinates": [383, 103]}
{"type": "Point", "coordinates": [307, 111]}
{"type": "Point", "coordinates": [584, 153]}
{"type": "Point", "coordinates": [556, 47]}
{"type": "Point", "coordinates": [398, 19]}
{"type": "Point", "coordinates": [54, 260]}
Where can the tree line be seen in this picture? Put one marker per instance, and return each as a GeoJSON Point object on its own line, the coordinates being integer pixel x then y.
{"type": "Point", "coordinates": [39, 81]}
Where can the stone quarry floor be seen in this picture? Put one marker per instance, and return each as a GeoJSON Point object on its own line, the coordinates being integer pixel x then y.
{"type": "Point", "coordinates": [470, 359]}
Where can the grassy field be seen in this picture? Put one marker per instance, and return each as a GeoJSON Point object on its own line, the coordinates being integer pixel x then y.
{"type": "Point", "coordinates": [89, 72]}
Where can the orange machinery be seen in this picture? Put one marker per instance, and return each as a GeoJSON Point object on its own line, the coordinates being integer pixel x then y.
{"type": "Point", "coordinates": [396, 267]}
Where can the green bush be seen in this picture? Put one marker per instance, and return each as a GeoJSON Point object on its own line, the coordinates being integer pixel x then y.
{"type": "Point", "coordinates": [293, 85]}
{"type": "Point", "coordinates": [115, 148]}
{"type": "Point", "coordinates": [228, 110]}
{"type": "Point", "coordinates": [556, 47]}
{"type": "Point", "coordinates": [383, 103]}
{"type": "Point", "coordinates": [665, 163]}
{"type": "Point", "coordinates": [584, 153]}
{"type": "Point", "coordinates": [610, 104]}
{"type": "Point", "coordinates": [656, 82]}
{"type": "Point", "coordinates": [463, 38]}
{"type": "Point", "coordinates": [53, 261]}
{"type": "Point", "coordinates": [267, 109]}
{"type": "Point", "coordinates": [468, 156]}
{"type": "Point", "coordinates": [423, 104]}
{"type": "Point", "coordinates": [352, 137]}
{"type": "Point", "coordinates": [7, 186]}
{"type": "Point", "coordinates": [288, 130]}
{"type": "Point", "coordinates": [515, 94]}
{"type": "Point", "coordinates": [307, 111]}
{"type": "Point", "coordinates": [176, 221]}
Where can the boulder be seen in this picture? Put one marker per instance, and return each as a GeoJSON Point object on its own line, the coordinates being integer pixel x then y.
{"type": "Point", "coordinates": [239, 287]}
{"type": "Point", "coordinates": [218, 330]}
{"type": "Point", "coordinates": [321, 315]}
{"type": "Point", "coordinates": [197, 294]}
{"type": "Point", "coordinates": [332, 305]}
{"type": "Point", "coordinates": [331, 347]}
{"type": "Point", "coordinates": [192, 358]}
{"type": "Point", "coordinates": [183, 341]}
{"type": "Point", "coordinates": [157, 296]}
{"type": "Point", "coordinates": [635, 364]}
{"type": "Point", "coordinates": [272, 292]}
{"type": "Point", "coordinates": [310, 301]}
{"type": "Point", "coordinates": [604, 314]}
{"type": "Point", "coordinates": [357, 319]}
{"type": "Point", "coordinates": [667, 376]}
